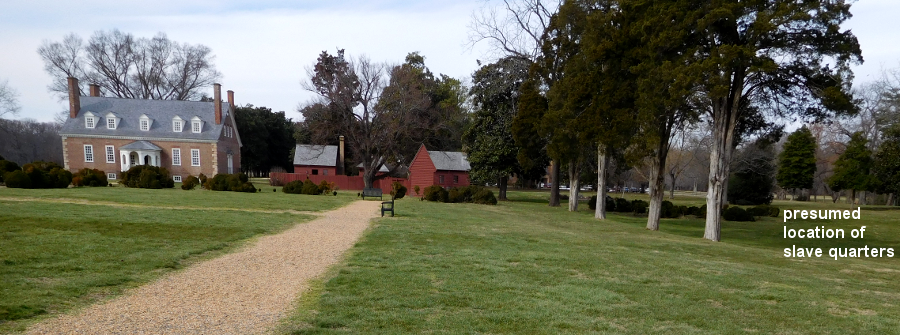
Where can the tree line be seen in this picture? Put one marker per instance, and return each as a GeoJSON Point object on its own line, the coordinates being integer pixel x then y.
{"type": "Point", "coordinates": [619, 78]}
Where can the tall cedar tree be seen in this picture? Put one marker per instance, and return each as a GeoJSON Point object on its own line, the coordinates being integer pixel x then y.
{"type": "Point", "coordinates": [789, 55]}
{"type": "Point", "coordinates": [599, 82]}
{"type": "Point", "coordinates": [488, 140]}
{"type": "Point", "coordinates": [797, 161]}
{"type": "Point", "coordinates": [752, 181]}
{"type": "Point", "coordinates": [665, 88]}
{"type": "Point", "coordinates": [561, 124]}
{"type": "Point", "coordinates": [267, 138]}
{"type": "Point", "coordinates": [887, 163]}
{"type": "Point", "coordinates": [852, 170]}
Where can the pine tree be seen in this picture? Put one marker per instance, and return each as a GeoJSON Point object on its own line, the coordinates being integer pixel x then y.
{"type": "Point", "coordinates": [797, 162]}
{"type": "Point", "coordinates": [851, 170]}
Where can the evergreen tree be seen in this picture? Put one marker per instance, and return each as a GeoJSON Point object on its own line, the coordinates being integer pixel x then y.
{"type": "Point", "coordinates": [852, 169]}
{"type": "Point", "coordinates": [886, 165]}
{"type": "Point", "coordinates": [489, 141]}
{"type": "Point", "coordinates": [797, 162]}
{"type": "Point", "coordinates": [752, 181]}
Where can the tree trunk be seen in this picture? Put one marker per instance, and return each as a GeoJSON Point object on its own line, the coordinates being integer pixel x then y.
{"type": "Point", "coordinates": [602, 162]}
{"type": "Point", "coordinates": [672, 191]}
{"type": "Point", "coordinates": [503, 181]}
{"type": "Point", "coordinates": [657, 182]}
{"type": "Point", "coordinates": [554, 183]}
{"type": "Point", "coordinates": [890, 200]}
{"type": "Point", "coordinates": [862, 197]}
{"type": "Point", "coordinates": [573, 186]}
{"type": "Point", "coordinates": [724, 120]}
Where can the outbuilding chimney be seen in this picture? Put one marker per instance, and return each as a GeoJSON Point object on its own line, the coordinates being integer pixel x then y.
{"type": "Point", "coordinates": [95, 90]}
{"type": "Point", "coordinates": [231, 99]}
{"type": "Point", "coordinates": [217, 102]}
{"type": "Point", "coordinates": [74, 98]}
{"type": "Point", "coordinates": [341, 157]}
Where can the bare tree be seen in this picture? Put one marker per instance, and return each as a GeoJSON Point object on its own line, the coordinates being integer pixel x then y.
{"type": "Point", "coordinates": [129, 67]}
{"type": "Point", "coordinates": [26, 141]}
{"type": "Point", "coordinates": [9, 100]}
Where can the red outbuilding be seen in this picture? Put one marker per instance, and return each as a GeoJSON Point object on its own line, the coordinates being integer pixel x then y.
{"type": "Point", "coordinates": [445, 168]}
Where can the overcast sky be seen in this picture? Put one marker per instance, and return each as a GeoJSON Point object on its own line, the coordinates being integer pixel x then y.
{"type": "Point", "coordinates": [263, 47]}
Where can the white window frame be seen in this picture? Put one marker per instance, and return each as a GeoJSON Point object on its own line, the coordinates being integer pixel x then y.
{"type": "Point", "coordinates": [176, 156]}
{"type": "Point", "coordinates": [111, 176]}
{"type": "Point", "coordinates": [88, 153]}
{"type": "Point", "coordinates": [195, 157]}
{"type": "Point", "coordinates": [177, 179]}
{"type": "Point", "coordinates": [196, 126]}
{"type": "Point", "coordinates": [110, 154]}
{"type": "Point", "coordinates": [89, 122]}
{"type": "Point", "coordinates": [145, 125]}
{"type": "Point", "coordinates": [177, 126]}
{"type": "Point", "coordinates": [110, 123]}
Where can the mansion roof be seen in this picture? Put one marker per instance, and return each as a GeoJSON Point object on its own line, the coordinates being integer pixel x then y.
{"type": "Point", "coordinates": [161, 113]}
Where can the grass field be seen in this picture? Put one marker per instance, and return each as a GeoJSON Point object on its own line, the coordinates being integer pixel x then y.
{"type": "Point", "coordinates": [66, 248]}
{"type": "Point", "coordinates": [518, 267]}
{"type": "Point", "coordinates": [522, 267]}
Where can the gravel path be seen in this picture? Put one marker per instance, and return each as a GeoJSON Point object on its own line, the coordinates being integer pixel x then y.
{"type": "Point", "coordinates": [245, 292]}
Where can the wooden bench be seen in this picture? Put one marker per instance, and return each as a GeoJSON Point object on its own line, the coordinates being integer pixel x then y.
{"type": "Point", "coordinates": [372, 192]}
{"type": "Point", "coordinates": [387, 206]}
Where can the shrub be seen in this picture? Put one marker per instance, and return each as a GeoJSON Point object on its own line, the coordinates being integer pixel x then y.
{"type": "Point", "coordinates": [764, 210]}
{"type": "Point", "coordinates": [294, 187]}
{"type": "Point", "coordinates": [417, 189]}
{"type": "Point", "coordinates": [436, 193]}
{"type": "Point", "coordinates": [398, 191]}
{"type": "Point", "coordinates": [623, 206]}
{"type": "Point", "coordinates": [90, 177]}
{"type": "Point", "coordinates": [202, 178]}
{"type": "Point", "coordinates": [639, 206]}
{"type": "Point", "coordinates": [610, 204]}
{"type": "Point", "coordinates": [17, 179]}
{"type": "Point", "coordinates": [42, 175]}
{"type": "Point", "coordinates": [146, 176]}
{"type": "Point", "coordinates": [702, 212]}
{"type": "Point", "coordinates": [326, 187]}
{"type": "Point", "coordinates": [190, 183]}
{"type": "Point", "coordinates": [237, 182]}
{"type": "Point", "coordinates": [682, 210]}
{"type": "Point", "coordinates": [667, 210]}
{"type": "Point", "coordinates": [485, 197]}
{"type": "Point", "coordinates": [310, 188]}
{"type": "Point", "coordinates": [693, 210]}
{"type": "Point", "coordinates": [735, 213]}
{"type": "Point", "coordinates": [6, 167]}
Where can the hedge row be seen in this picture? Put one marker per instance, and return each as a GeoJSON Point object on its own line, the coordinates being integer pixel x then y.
{"type": "Point", "coordinates": [670, 210]}
{"type": "Point", "coordinates": [35, 175]}
{"type": "Point", "coordinates": [473, 193]}
{"type": "Point", "coordinates": [309, 187]}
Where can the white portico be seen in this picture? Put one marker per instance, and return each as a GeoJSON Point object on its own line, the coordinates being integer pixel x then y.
{"type": "Point", "coordinates": [139, 153]}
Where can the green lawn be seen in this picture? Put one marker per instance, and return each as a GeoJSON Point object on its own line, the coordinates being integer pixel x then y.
{"type": "Point", "coordinates": [55, 256]}
{"type": "Point", "coordinates": [522, 267]}
{"type": "Point", "coordinates": [265, 200]}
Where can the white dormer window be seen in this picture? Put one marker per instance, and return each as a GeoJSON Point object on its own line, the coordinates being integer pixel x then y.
{"type": "Point", "coordinates": [112, 121]}
{"type": "Point", "coordinates": [145, 122]}
{"type": "Point", "coordinates": [177, 124]}
{"type": "Point", "coordinates": [90, 120]}
{"type": "Point", "coordinates": [196, 125]}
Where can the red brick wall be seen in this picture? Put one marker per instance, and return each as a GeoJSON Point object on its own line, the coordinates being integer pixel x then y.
{"type": "Point", "coordinates": [74, 156]}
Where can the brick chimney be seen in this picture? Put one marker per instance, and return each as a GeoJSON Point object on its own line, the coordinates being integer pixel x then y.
{"type": "Point", "coordinates": [74, 98]}
{"type": "Point", "coordinates": [217, 102]}
{"type": "Point", "coordinates": [341, 157]}
{"type": "Point", "coordinates": [231, 99]}
{"type": "Point", "coordinates": [95, 90]}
